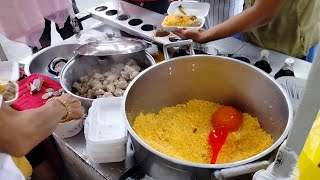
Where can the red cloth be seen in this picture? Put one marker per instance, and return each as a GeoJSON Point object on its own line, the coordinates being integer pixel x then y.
{"type": "Point", "coordinates": [30, 101]}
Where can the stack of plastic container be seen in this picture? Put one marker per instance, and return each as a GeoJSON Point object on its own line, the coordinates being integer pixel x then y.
{"type": "Point", "coordinates": [105, 131]}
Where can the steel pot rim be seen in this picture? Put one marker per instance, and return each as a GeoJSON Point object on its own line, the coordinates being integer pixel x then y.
{"type": "Point", "coordinates": [200, 165]}
{"type": "Point", "coordinates": [34, 56]}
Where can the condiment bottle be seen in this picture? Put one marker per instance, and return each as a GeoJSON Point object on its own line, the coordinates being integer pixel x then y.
{"type": "Point", "coordinates": [264, 62]}
{"type": "Point", "coordinates": [286, 70]}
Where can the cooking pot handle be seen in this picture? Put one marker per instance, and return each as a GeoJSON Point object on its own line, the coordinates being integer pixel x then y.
{"type": "Point", "coordinates": [240, 170]}
{"type": "Point", "coordinates": [53, 63]}
{"type": "Point", "coordinates": [177, 44]}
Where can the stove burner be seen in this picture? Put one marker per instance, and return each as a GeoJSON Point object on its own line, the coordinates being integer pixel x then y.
{"type": "Point", "coordinates": [123, 17]}
{"type": "Point", "coordinates": [111, 12]}
{"type": "Point", "coordinates": [101, 8]}
{"type": "Point", "coordinates": [147, 27]}
{"type": "Point", "coordinates": [135, 22]}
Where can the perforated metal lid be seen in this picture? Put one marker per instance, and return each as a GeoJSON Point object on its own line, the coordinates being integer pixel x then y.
{"type": "Point", "coordinates": [113, 46]}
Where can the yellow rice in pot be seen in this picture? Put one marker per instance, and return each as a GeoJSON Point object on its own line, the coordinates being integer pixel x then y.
{"type": "Point", "coordinates": [182, 132]}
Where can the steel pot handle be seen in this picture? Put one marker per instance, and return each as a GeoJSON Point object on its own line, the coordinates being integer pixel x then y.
{"type": "Point", "coordinates": [177, 44]}
{"type": "Point", "coordinates": [53, 63]}
{"type": "Point", "coordinates": [240, 170]}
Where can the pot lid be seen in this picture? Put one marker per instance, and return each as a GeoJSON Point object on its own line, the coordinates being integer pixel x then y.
{"type": "Point", "coordinates": [112, 46]}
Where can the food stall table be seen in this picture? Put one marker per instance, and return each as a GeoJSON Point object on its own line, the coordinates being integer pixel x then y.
{"type": "Point", "coordinates": [73, 150]}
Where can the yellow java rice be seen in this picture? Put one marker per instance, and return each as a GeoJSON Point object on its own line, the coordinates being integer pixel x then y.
{"type": "Point", "coordinates": [181, 20]}
{"type": "Point", "coordinates": [182, 132]}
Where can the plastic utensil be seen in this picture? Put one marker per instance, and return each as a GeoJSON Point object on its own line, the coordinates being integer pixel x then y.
{"type": "Point", "coordinates": [217, 137]}
{"type": "Point", "coordinates": [181, 9]}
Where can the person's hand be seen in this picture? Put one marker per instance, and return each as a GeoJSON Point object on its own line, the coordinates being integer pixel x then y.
{"type": "Point", "coordinates": [77, 110]}
{"type": "Point", "coordinates": [195, 35]}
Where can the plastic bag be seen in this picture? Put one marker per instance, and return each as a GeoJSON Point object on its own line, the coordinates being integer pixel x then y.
{"type": "Point", "coordinates": [309, 160]}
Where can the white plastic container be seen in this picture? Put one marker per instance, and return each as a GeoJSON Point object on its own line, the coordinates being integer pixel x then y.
{"type": "Point", "coordinates": [105, 131]}
{"type": "Point", "coordinates": [69, 129]}
{"type": "Point", "coordinates": [199, 9]}
{"type": "Point", "coordinates": [9, 71]}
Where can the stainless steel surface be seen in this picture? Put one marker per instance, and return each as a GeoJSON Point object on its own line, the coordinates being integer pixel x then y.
{"type": "Point", "coordinates": [83, 65]}
{"type": "Point", "coordinates": [135, 12]}
{"type": "Point", "coordinates": [197, 77]}
{"type": "Point", "coordinates": [226, 46]}
{"type": "Point", "coordinates": [113, 46]}
{"type": "Point", "coordinates": [40, 61]}
{"type": "Point", "coordinates": [294, 87]}
{"type": "Point", "coordinates": [73, 149]}
{"type": "Point", "coordinates": [300, 68]}
{"type": "Point", "coordinates": [240, 170]}
{"type": "Point", "coordinates": [3, 56]}
{"type": "Point", "coordinates": [178, 44]}
{"type": "Point", "coordinates": [79, 165]}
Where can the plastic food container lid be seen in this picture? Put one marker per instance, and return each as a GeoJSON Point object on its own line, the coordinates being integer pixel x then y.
{"type": "Point", "coordinates": [107, 125]}
{"type": "Point", "coordinates": [199, 9]}
{"type": "Point", "coordinates": [9, 71]}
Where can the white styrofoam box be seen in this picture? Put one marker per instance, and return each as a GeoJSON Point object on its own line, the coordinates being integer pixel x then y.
{"type": "Point", "coordinates": [107, 125]}
{"type": "Point", "coordinates": [69, 129]}
{"type": "Point", "coordinates": [105, 131]}
{"type": "Point", "coordinates": [199, 9]}
{"type": "Point", "coordinates": [117, 157]}
{"type": "Point", "coordinates": [9, 71]}
{"type": "Point", "coordinates": [10, 102]}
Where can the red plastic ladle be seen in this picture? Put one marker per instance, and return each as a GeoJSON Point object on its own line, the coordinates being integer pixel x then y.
{"type": "Point", "coordinates": [217, 137]}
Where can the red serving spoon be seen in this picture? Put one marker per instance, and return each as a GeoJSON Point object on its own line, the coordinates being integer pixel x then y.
{"type": "Point", "coordinates": [217, 137]}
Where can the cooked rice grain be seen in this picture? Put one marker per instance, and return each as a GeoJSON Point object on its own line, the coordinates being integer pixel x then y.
{"type": "Point", "coordinates": [181, 20]}
{"type": "Point", "coordinates": [182, 132]}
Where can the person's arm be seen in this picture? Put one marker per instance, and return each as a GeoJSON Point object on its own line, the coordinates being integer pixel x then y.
{"type": "Point", "coordinates": [22, 131]}
{"type": "Point", "coordinates": [260, 14]}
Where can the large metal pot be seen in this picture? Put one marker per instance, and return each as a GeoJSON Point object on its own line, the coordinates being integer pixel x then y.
{"type": "Point", "coordinates": [217, 79]}
{"type": "Point", "coordinates": [41, 60]}
{"type": "Point", "coordinates": [99, 57]}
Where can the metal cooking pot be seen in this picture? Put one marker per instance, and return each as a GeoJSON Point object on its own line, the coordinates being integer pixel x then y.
{"type": "Point", "coordinates": [41, 61]}
{"type": "Point", "coordinates": [217, 79]}
{"type": "Point", "coordinates": [99, 56]}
